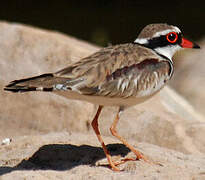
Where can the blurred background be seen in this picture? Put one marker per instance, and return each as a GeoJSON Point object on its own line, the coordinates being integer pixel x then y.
{"type": "Point", "coordinates": [104, 21]}
{"type": "Point", "coordinates": [27, 51]}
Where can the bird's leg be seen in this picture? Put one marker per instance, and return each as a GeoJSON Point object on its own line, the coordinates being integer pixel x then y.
{"type": "Point", "coordinates": [97, 132]}
{"type": "Point", "coordinates": [114, 133]}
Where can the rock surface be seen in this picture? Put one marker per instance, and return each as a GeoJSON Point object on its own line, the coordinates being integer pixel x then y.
{"type": "Point", "coordinates": [166, 120]}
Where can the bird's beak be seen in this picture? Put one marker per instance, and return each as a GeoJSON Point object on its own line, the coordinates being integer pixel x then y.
{"type": "Point", "coordinates": [188, 44]}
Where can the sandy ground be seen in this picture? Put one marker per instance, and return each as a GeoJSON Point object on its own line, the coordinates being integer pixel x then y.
{"type": "Point", "coordinates": [78, 156]}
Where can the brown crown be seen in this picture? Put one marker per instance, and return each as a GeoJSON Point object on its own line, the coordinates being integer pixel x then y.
{"type": "Point", "coordinates": [151, 29]}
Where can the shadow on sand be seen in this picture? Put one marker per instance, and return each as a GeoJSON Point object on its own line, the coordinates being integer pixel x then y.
{"type": "Point", "coordinates": [64, 157]}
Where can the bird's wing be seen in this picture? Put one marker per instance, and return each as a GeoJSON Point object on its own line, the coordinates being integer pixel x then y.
{"type": "Point", "coordinates": [90, 74]}
{"type": "Point", "coordinates": [112, 71]}
{"type": "Point", "coordinates": [142, 79]}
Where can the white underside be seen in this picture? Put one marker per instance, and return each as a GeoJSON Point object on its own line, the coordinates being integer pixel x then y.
{"type": "Point", "coordinates": [101, 100]}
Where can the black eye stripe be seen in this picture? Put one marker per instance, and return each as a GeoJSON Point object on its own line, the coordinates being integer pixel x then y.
{"type": "Point", "coordinates": [161, 41]}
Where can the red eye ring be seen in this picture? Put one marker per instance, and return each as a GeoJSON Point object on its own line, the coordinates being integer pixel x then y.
{"type": "Point", "coordinates": [170, 37]}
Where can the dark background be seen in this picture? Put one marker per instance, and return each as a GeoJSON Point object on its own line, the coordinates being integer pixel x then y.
{"type": "Point", "coordinates": [106, 21]}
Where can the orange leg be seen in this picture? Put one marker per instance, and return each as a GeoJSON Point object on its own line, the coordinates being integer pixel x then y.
{"type": "Point", "coordinates": [114, 133]}
{"type": "Point", "coordinates": [97, 132]}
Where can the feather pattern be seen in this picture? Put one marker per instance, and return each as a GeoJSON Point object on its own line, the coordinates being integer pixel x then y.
{"type": "Point", "coordinates": [104, 69]}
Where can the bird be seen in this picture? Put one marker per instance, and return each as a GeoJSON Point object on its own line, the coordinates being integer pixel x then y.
{"type": "Point", "coordinates": [121, 75]}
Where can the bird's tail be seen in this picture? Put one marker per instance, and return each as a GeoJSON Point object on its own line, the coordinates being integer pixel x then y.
{"type": "Point", "coordinates": [43, 82]}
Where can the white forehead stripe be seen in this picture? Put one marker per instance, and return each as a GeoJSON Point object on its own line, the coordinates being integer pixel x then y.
{"type": "Point", "coordinates": [161, 33]}
{"type": "Point", "coordinates": [141, 41]}
{"type": "Point", "coordinates": [157, 34]}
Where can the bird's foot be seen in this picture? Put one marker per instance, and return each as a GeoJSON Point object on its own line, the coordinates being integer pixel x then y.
{"type": "Point", "coordinates": [122, 161]}
{"type": "Point", "coordinates": [114, 165]}
{"type": "Point", "coordinates": [140, 156]}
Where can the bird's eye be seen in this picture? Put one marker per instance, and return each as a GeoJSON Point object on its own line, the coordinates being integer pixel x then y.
{"type": "Point", "coordinates": [172, 37]}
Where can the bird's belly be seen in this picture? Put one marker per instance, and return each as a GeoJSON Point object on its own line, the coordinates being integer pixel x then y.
{"type": "Point", "coordinates": [103, 100]}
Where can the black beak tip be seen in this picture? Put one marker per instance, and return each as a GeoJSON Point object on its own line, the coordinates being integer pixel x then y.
{"type": "Point", "coordinates": [195, 46]}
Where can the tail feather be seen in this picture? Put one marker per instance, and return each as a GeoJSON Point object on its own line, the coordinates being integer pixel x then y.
{"type": "Point", "coordinates": [37, 83]}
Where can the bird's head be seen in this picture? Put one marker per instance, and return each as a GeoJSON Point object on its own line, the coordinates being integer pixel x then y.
{"type": "Point", "coordinates": [164, 39]}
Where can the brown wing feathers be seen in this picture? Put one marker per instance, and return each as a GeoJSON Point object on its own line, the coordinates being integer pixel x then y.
{"type": "Point", "coordinates": [29, 84]}
{"type": "Point", "coordinates": [128, 81]}
{"type": "Point", "coordinates": [89, 73]}
{"type": "Point", "coordinates": [44, 82]}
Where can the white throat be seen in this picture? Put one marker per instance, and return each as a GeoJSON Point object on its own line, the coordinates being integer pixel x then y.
{"type": "Point", "coordinates": [168, 51]}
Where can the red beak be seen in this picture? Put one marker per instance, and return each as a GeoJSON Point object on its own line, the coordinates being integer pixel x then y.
{"type": "Point", "coordinates": [188, 44]}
